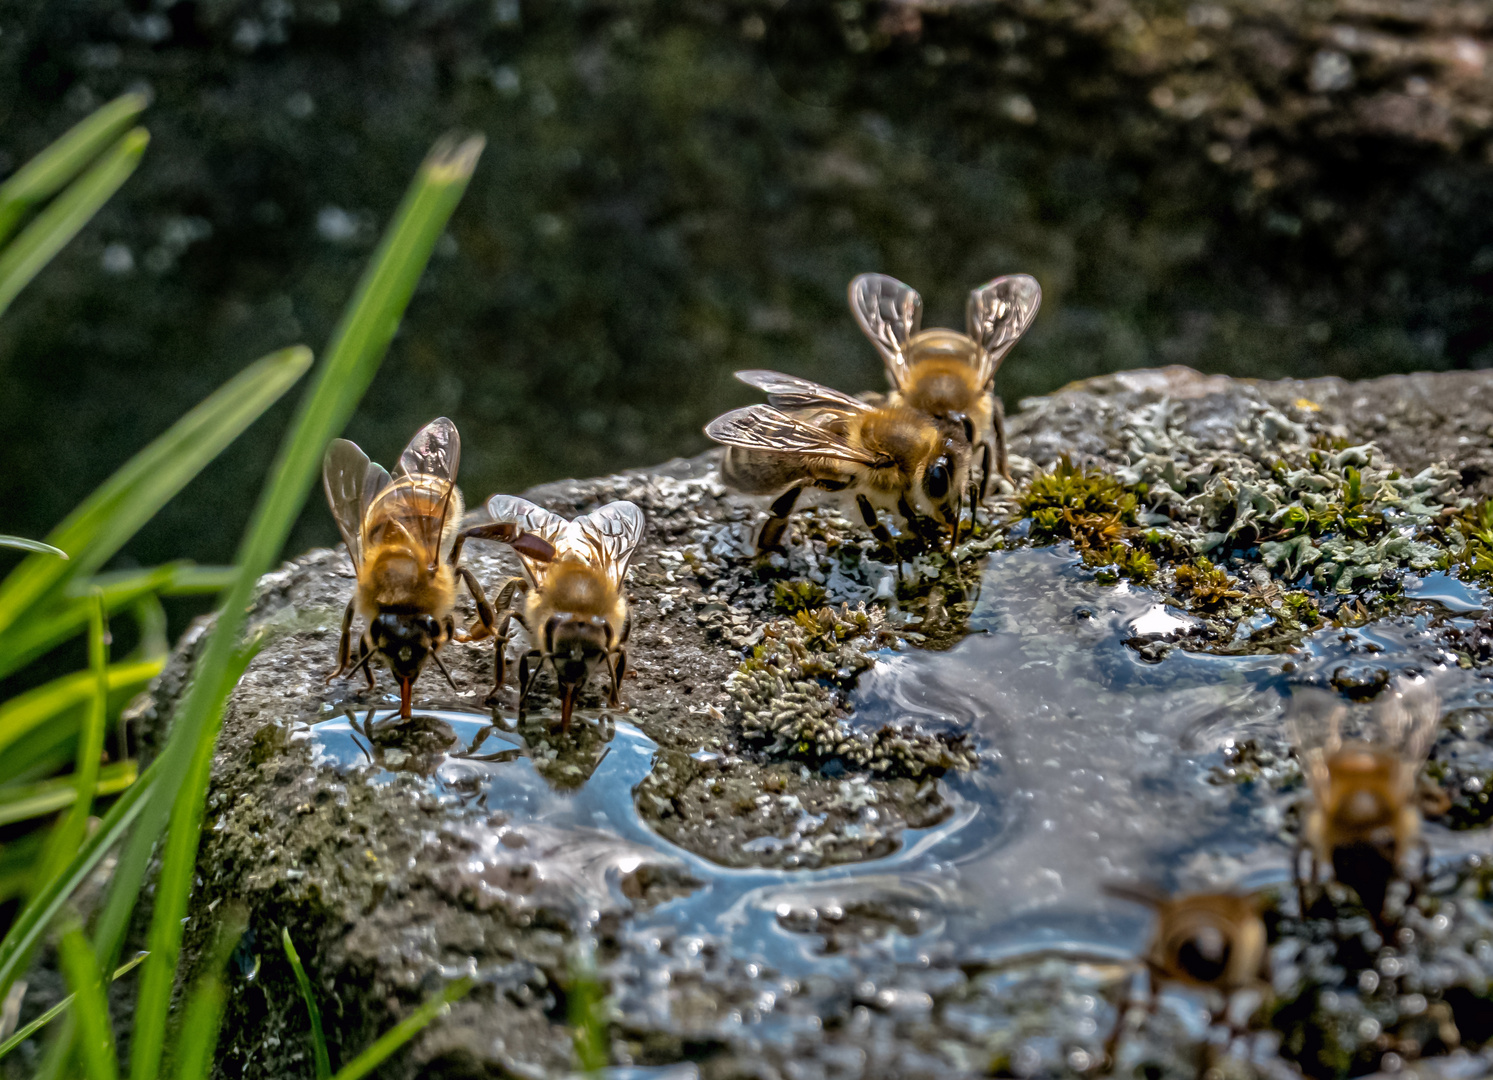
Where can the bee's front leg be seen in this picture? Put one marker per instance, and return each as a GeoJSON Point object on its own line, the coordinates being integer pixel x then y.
{"type": "Point", "coordinates": [771, 536]}
{"type": "Point", "coordinates": [525, 677]}
{"type": "Point", "coordinates": [618, 666]}
{"type": "Point", "coordinates": [344, 646]}
{"type": "Point", "coordinates": [483, 628]}
{"type": "Point", "coordinates": [500, 657]}
{"type": "Point", "coordinates": [1002, 460]}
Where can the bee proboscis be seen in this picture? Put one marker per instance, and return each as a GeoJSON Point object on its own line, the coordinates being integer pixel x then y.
{"type": "Point", "coordinates": [401, 534]}
{"type": "Point", "coordinates": [944, 373]}
{"type": "Point", "coordinates": [1212, 941]}
{"type": "Point", "coordinates": [882, 458]}
{"type": "Point", "coordinates": [574, 608]}
{"type": "Point", "coordinates": [1364, 817]}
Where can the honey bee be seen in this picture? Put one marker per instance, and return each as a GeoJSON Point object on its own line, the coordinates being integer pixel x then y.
{"type": "Point", "coordinates": [1364, 817]}
{"type": "Point", "coordinates": [882, 458]}
{"type": "Point", "coordinates": [400, 532]}
{"type": "Point", "coordinates": [946, 374]}
{"type": "Point", "coordinates": [1208, 941]}
{"type": "Point", "coordinates": [574, 610]}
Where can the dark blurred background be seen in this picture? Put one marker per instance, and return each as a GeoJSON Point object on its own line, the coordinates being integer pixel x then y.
{"type": "Point", "coordinates": [675, 190]}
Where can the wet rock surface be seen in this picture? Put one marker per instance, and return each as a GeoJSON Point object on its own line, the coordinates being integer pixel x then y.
{"type": "Point", "coordinates": [899, 875]}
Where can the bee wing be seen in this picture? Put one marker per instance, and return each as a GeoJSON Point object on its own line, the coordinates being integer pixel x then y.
{"type": "Point", "coordinates": [889, 313]}
{"type": "Point", "coordinates": [1315, 719]}
{"type": "Point", "coordinates": [998, 313]}
{"type": "Point", "coordinates": [790, 392]}
{"type": "Point", "coordinates": [435, 450]}
{"type": "Point", "coordinates": [1407, 717]}
{"type": "Point", "coordinates": [612, 534]}
{"type": "Point", "coordinates": [530, 518]}
{"type": "Point", "coordinates": [351, 482]}
{"type": "Point", "coordinates": [761, 427]}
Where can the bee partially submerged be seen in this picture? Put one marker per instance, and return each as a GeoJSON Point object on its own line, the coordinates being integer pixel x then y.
{"type": "Point", "coordinates": [400, 532]}
{"type": "Point", "coordinates": [1365, 816]}
{"type": "Point", "coordinates": [1208, 941]}
{"type": "Point", "coordinates": [574, 609]}
{"type": "Point", "coordinates": [943, 373]}
{"type": "Point", "coordinates": [883, 458]}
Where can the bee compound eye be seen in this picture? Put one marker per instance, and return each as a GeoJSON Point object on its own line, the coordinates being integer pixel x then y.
{"type": "Point", "coordinates": [1204, 955]}
{"type": "Point", "coordinates": [969, 428]}
{"type": "Point", "coordinates": [938, 479]}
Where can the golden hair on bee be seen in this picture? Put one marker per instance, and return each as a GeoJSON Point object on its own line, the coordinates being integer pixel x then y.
{"type": "Point", "coordinates": [944, 373]}
{"type": "Point", "coordinates": [876, 458]}
{"type": "Point", "coordinates": [1364, 817]}
{"type": "Point", "coordinates": [574, 608]}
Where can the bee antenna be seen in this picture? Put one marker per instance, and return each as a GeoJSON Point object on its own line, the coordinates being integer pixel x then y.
{"type": "Point", "coordinates": [1138, 892]}
{"type": "Point", "coordinates": [442, 665]}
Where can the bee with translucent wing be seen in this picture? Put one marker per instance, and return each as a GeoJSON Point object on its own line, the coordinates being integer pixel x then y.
{"type": "Point", "coordinates": [882, 458]}
{"type": "Point", "coordinates": [400, 532]}
{"type": "Point", "coordinates": [943, 373]}
{"type": "Point", "coordinates": [574, 609]}
{"type": "Point", "coordinates": [1208, 941]}
{"type": "Point", "coordinates": [1364, 817]}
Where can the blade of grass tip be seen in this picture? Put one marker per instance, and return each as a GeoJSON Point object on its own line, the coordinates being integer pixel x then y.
{"type": "Point", "coordinates": [204, 1010]}
{"type": "Point", "coordinates": [49, 232]}
{"type": "Point", "coordinates": [24, 1033]}
{"type": "Point", "coordinates": [318, 1038]}
{"type": "Point", "coordinates": [357, 348]}
{"type": "Point", "coordinates": [69, 832]}
{"type": "Point", "coordinates": [95, 1032]}
{"type": "Point", "coordinates": [403, 1031]}
{"type": "Point", "coordinates": [105, 520]}
{"type": "Point", "coordinates": [20, 543]}
{"type": "Point", "coordinates": [52, 169]}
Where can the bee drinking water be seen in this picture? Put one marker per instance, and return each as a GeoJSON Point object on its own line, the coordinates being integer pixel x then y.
{"type": "Point", "coordinates": [945, 374]}
{"type": "Point", "coordinates": [400, 532]}
{"type": "Point", "coordinates": [882, 458]}
{"type": "Point", "coordinates": [574, 609]}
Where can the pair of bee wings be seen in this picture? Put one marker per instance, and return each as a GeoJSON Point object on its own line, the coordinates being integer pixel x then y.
{"type": "Point", "coordinates": [802, 430]}
{"type": "Point", "coordinates": [605, 538]}
{"type": "Point", "coordinates": [996, 315]}
{"type": "Point", "coordinates": [1405, 720]}
{"type": "Point", "coordinates": [416, 499]}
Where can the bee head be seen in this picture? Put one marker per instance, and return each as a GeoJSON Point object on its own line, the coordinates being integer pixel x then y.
{"type": "Point", "coordinates": [1203, 954]}
{"type": "Point", "coordinates": [406, 641]}
{"type": "Point", "coordinates": [944, 480]}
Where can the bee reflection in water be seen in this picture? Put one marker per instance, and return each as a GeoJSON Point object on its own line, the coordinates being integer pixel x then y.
{"type": "Point", "coordinates": [1212, 942]}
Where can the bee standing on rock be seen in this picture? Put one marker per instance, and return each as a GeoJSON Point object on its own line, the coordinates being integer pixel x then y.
{"type": "Point", "coordinates": [574, 610]}
{"type": "Point", "coordinates": [883, 458]}
{"type": "Point", "coordinates": [943, 373]}
{"type": "Point", "coordinates": [1208, 941]}
{"type": "Point", "coordinates": [1364, 817]}
{"type": "Point", "coordinates": [400, 532]}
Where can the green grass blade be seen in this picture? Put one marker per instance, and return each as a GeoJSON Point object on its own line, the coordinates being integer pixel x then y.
{"type": "Point", "coordinates": [18, 860]}
{"type": "Point", "coordinates": [22, 259]}
{"type": "Point", "coordinates": [20, 543]}
{"type": "Point", "coordinates": [403, 1031]}
{"type": "Point", "coordinates": [204, 1011]}
{"type": "Point", "coordinates": [27, 801]}
{"type": "Point", "coordinates": [69, 831]}
{"type": "Point", "coordinates": [50, 700]}
{"type": "Point", "coordinates": [358, 346]}
{"type": "Point", "coordinates": [95, 1032]}
{"type": "Point", "coordinates": [24, 1033]}
{"type": "Point", "coordinates": [587, 1014]}
{"type": "Point", "coordinates": [50, 896]}
{"type": "Point", "coordinates": [56, 166]}
{"type": "Point", "coordinates": [102, 524]}
{"type": "Point", "coordinates": [318, 1038]}
{"type": "Point", "coordinates": [65, 616]}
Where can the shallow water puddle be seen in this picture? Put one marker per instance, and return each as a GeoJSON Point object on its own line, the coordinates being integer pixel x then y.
{"type": "Point", "coordinates": [1097, 764]}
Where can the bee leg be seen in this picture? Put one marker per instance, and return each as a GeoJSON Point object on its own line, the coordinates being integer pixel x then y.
{"type": "Point", "coordinates": [771, 536]}
{"type": "Point", "coordinates": [875, 524]}
{"type": "Point", "coordinates": [485, 617]}
{"type": "Point", "coordinates": [1122, 1014]}
{"type": "Point", "coordinates": [365, 655]}
{"type": "Point", "coordinates": [525, 679]}
{"type": "Point", "coordinates": [505, 532]}
{"type": "Point", "coordinates": [1002, 460]}
{"type": "Point", "coordinates": [344, 646]}
{"type": "Point", "coordinates": [441, 664]}
{"type": "Point", "coordinates": [984, 483]}
{"type": "Point", "coordinates": [619, 669]}
{"type": "Point", "coordinates": [499, 657]}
